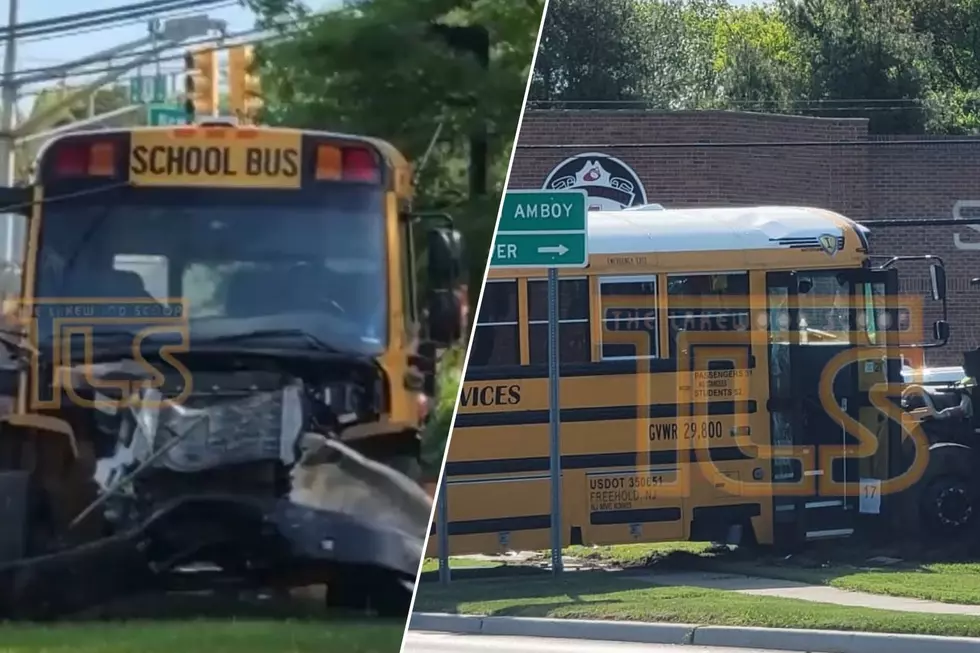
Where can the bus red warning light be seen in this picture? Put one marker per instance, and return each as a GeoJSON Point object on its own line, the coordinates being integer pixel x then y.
{"type": "Point", "coordinates": [361, 164]}
{"type": "Point", "coordinates": [85, 159]}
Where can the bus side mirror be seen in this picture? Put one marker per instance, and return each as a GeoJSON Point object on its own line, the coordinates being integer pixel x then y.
{"type": "Point", "coordinates": [445, 273]}
{"type": "Point", "coordinates": [937, 274]}
{"type": "Point", "coordinates": [940, 331]}
{"type": "Point", "coordinates": [445, 262]}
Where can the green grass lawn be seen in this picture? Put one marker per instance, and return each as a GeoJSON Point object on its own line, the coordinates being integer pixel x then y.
{"type": "Point", "coordinates": [611, 595]}
{"type": "Point", "coordinates": [205, 636]}
{"type": "Point", "coordinates": [947, 582]}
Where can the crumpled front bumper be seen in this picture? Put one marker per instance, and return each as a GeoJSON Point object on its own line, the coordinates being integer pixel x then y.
{"type": "Point", "coordinates": [285, 531]}
{"type": "Point", "coordinates": [289, 535]}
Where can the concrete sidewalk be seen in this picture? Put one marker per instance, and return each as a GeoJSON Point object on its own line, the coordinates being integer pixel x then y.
{"type": "Point", "coordinates": [793, 590]}
{"type": "Point", "coordinates": [782, 639]}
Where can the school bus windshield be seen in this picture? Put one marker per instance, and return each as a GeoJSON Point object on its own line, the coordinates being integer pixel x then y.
{"type": "Point", "coordinates": [283, 259]}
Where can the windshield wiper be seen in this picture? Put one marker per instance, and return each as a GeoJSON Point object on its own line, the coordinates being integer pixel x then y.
{"type": "Point", "coordinates": [310, 339]}
{"type": "Point", "coordinates": [104, 343]}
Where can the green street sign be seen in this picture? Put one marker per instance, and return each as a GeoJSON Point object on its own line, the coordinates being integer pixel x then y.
{"type": "Point", "coordinates": [550, 210]}
{"type": "Point", "coordinates": [159, 88]}
{"type": "Point", "coordinates": [136, 90]}
{"type": "Point", "coordinates": [542, 229]}
{"type": "Point", "coordinates": [539, 251]}
{"type": "Point", "coordinates": [143, 89]}
{"type": "Point", "coordinates": [162, 116]}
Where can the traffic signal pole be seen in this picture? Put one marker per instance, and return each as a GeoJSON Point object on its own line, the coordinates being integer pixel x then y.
{"type": "Point", "coordinates": [474, 39]}
{"type": "Point", "coordinates": [174, 32]}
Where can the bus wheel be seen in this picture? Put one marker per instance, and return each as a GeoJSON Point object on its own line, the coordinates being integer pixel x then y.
{"type": "Point", "coordinates": [948, 495]}
{"type": "Point", "coordinates": [949, 504]}
{"type": "Point", "coordinates": [384, 594]}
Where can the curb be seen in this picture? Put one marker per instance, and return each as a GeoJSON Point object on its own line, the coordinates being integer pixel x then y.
{"type": "Point", "coordinates": [784, 639]}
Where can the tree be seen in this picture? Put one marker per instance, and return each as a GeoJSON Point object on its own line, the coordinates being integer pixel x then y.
{"type": "Point", "coordinates": [757, 64]}
{"type": "Point", "coordinates": [378, 68]}
{"type": "Point", "coordinates": [862, 50]}
{"type": "Point", "coordinates": [953, 27]}
{"type": "Point", "coordinates": [105, 100]}
{"type": "Point", "coordinates": [908, 66]}
{"type": "Point", "coordinates": [590, 50]}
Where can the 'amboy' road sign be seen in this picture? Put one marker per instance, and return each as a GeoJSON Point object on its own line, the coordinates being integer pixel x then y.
{"type": "Point", "coordinates": [542, 229]}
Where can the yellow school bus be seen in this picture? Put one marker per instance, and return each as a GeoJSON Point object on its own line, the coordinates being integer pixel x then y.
{"type": "Point", "coordinates": [235, 289]}
{"type": "Point", "coordinates": [232, 220]}
{"type": "Point", "coordinates": [689, 329]}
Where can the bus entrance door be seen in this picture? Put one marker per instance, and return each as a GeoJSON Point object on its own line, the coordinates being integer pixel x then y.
{"type": "Point", "coordinates": [879, 329]}
{"type": "Point", "coordinates": [812, 326]}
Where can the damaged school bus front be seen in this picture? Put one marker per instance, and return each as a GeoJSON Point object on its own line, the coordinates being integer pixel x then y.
{"type": "Point", "coordinates": [220, 366]}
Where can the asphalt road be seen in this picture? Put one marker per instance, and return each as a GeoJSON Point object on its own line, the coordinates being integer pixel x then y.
{"type": "Point", "coordinates": [423, 642]}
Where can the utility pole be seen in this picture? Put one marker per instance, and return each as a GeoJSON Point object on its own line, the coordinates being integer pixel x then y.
{"type": "Point", "coordinates": [8, 106]}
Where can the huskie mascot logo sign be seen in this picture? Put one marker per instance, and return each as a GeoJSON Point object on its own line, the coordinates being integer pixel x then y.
{"type": "Point", "coordinates": [610, 184]}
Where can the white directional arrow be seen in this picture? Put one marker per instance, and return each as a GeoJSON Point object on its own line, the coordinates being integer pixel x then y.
{"type": "Point", "coordinates": [557, 249]}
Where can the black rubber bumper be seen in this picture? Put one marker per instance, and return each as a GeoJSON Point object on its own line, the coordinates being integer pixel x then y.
{"type": "Point", "coordinates": [339, 538]}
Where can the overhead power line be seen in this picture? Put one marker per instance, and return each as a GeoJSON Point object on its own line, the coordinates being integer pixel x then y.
{"type": "Point", "coordinates": [723, 145]}
{"type": "Point", "coordinates": [116, 17]}
{"type": "Point", "coordinates": [208, 41]}
{"type": "Point", "coordinates": [122, 23]}
{"type": "Point", "coordinates": [104, 16]}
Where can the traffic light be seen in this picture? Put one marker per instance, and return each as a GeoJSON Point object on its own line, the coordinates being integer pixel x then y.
{"type": "Point", "coordinates": [244, 87]}
{"type": "Point", "coordinates": [201, 83]}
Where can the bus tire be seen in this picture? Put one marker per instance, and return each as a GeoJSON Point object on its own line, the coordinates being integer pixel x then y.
{"type": "Point", "coordinates": [383, 594]}
{"type": "Point", "coordinates": [948, 498]}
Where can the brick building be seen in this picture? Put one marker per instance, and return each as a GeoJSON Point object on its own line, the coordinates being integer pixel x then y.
{"type": "Point", "coordinates": [861, 176]}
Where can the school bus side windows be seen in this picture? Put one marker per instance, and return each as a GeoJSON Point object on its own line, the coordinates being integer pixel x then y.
{"type": "Point", "coordinates": [707, 302]}
{"type": "Point", "coordinates": [496, 339]}
{"type": "Point", "coordinates": [629, 304]}
{"type": "Point", "coordinates": [574, 336]}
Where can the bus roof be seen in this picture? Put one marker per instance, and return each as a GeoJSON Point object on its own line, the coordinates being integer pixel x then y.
{"type": "Point", "coordinates": [716, 229]}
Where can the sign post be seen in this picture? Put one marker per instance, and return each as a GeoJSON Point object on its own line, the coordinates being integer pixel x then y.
{"type": "Point", "coordinates": [546, 229]}
{"type": "Point", "coordinates": [442, 531]}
